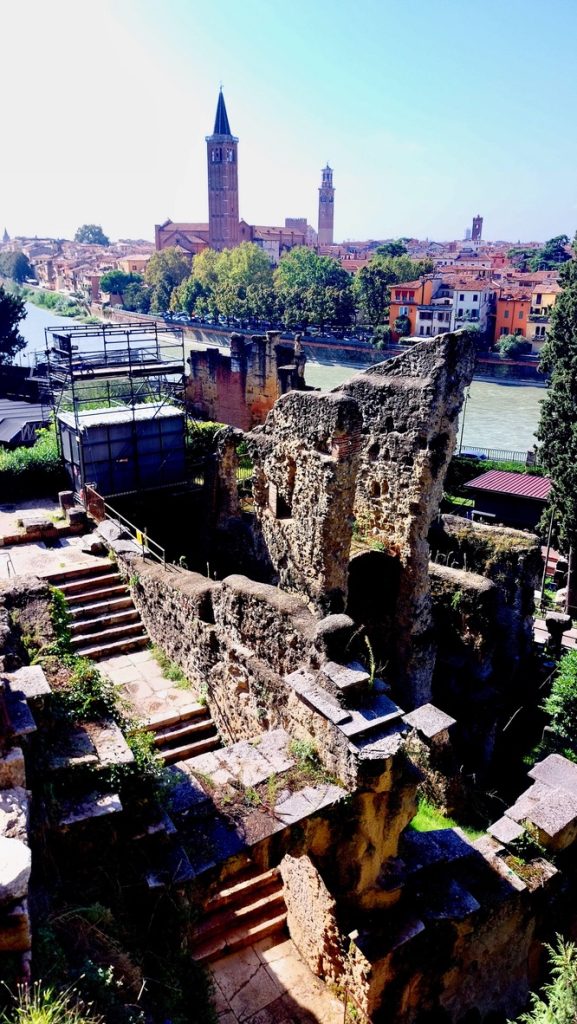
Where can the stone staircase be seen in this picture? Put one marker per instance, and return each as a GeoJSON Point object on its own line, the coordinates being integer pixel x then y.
{"type": "Point", "coordinates": [184, 733]}
{"type": "Point", "coordinates": [249, 908]}
{"type": "Point", "coordinates": [104, 619]}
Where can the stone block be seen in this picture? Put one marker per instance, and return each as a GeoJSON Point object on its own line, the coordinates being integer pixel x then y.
{"type": "Point", "coordinates": [556, 771]}
{"type": "Point", "coordinates": [109, 743]}
{"type": "Point", "coordinates": [12, 769]}
{"type": "Point", "coordinates": [333, 636]}
{"type": "Point", "coordinates": [76, 517]}
{"type": "Point", "coordinates": [29, 682]}
{"type": "Point", "coordinates": [66, 499]}
{"type": "Point", "coordinates": [307, 801]}
{"type": "Point", "coordinates": [429, 721]}
{"type": "Point", "coordinates": [73, 750]}
{"type": "Point", "coordinates": [556, 819]}
{"type": "Point", "coordinates": [316, 697]}
{"type": "Point", "coordinates": [347, 681]}
{"type": "Point", "coordinates": [373, 715]}
{"type": "Point", "coordinates": [506, 830]}
{"type": "Point", "coordinates": [88, 808]}
{"type": "Point", "coordinates": [15, 934]}
{"type": "Point", "coordinates": [14, 813]}
{"type": "Point", "coordinates": [15, 865]}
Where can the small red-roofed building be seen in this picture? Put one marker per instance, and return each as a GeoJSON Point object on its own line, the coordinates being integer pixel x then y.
{"type": "Point", "coordinates": [515, 499]}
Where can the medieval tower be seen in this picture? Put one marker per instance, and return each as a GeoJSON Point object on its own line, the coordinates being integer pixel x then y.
{"type": "Point", "coordinates": [222, 157]}
{"type": "Point", "coordinates": [326, 207]}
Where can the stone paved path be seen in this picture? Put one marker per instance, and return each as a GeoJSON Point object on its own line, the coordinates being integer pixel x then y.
{"type": "Point", "coordinates": [147, 689]}
{"type": "Point", "coordinates": [269, 983]}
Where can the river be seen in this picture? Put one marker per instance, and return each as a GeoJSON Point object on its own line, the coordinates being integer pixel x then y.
{"type": "Point", "coordinates": [496, 415]}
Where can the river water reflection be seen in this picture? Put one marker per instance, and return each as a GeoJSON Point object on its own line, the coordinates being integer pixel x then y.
{"type": "Point", "coordinates": [496, 416]}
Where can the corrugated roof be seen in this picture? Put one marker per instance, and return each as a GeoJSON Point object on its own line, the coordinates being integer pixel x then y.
{"type": "Point", "coordinates": [501, 481]}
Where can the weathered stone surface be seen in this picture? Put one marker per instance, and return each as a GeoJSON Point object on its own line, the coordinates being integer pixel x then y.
{"type": "Point", "coordinates": [506, 830]}
{"type": "Point", "coordinates": [333, 635]}
{"type": "Point", "coordinates": [20, 717]}
{"type": "Point", "coordinates": [429, 721]}
{"type": "Point", "coordinates": [75, 748]}
{"type": "Point", "coordinates": [12, 769]}
{"type": "Point", "coordinates": [15, 865]}
{"type": "Point", "coordinates": [311, 917]}
{"type": "Point", "coordinates": [317, 697]}
{"type": "Point", "coordinates": [348, 681]}
{"type": "Point", "coordinates": [15, 934]}
{"type": "Point", "coordinates": [109, 743]}
{"type": "Point", "coordinates": [556, 819]}
{"type": "Point", "coordinates": [14, 812]}
{"type": "Point", "coordinates": [92, 806]}
{"type": "Point", "coordinates": [556, 771]}
{"type": "Point", "coordinates": [376, 712]}
{"type": "Point", "coordinates": [30, 681]}
{"type": "Point", "coordinates": [307, 801]}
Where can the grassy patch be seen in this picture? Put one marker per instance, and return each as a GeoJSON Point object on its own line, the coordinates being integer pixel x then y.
{"type": "Point", "coordinates": [429, 818]}
{"type": "Point", "coordinates": [170, 669]}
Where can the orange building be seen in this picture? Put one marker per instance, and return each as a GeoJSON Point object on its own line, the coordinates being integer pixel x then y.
{"type": "Point", "coordinates": [513, 308]}
{"type": "Point", "coordinates": [406, 297]}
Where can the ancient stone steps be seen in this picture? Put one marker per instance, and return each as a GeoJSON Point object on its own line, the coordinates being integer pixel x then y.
{"type": "Point", "coordinates": [182, 714]}
{"type": "Point", "coordinates": [190, 728]}
{"type": "Point", "coordinates": [108, 650]}
{"type": "Point", "coordinates": [243, 884]}
{"type": "Point", "coordinates": [104, 619]}
{"type": "Point", "coordinates": [103, 606]}
{"type": "Point", "coordinates": [187, 750]}
{"type": "Point", "coordinates": [113, 633]}
{"type": "Point", "coordinates": [79, 572]}
{"type": "Point", "coordinates": [103, 594]}
{"type": "Point", "coordinates": [87, 584]}
{"type": "Point", "coordinates": [95, 624]}
{"type": "Point", "coordinates": [250, 908]}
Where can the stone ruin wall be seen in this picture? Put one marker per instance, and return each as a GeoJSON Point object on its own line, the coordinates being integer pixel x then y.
{"type": "Point", "coordinates": [374, 450]}
{"type": "Point", "coordinates": [240, 387]}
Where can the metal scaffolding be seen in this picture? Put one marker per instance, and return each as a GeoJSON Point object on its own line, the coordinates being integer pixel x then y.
{"type": "Point", "coordinates": [118, 396]}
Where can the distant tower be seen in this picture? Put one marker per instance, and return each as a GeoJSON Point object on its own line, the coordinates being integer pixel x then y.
{"type": "Point", "coordinates": [477, 233]}
{"type": "Point", "coordinates": [222, 157]}
{"type": "Point", "coordinates": [6, 236]}
{"type": "Point", "coordinates": [326, 207]}
{"type": "Point", "coordinates": [467, 234]}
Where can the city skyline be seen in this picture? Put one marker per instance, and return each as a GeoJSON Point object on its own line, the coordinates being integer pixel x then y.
{"type": "Point", "coordinates": [419, 143]}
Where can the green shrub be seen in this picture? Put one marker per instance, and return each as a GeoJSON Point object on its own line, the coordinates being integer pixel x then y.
{"type": "Point", "coordinates": [559, 1002]}
{"type": "Point", "coordinates": [39, 1005]}
{"type": "Point", "coordinates": [30, 472]}
{"type": "Point", "coordinates": [202, 438]}
{"type": "Point", "coordinates": [89, 694]}
{"type": "Point", "coordinates": [561, 706]}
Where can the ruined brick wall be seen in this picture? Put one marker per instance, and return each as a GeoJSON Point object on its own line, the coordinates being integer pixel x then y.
{"type": "Point", "coordinates": [241, 387]}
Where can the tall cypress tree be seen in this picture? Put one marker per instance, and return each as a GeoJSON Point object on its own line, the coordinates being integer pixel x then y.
{"type": "Point", "coordinates": [557, 431]}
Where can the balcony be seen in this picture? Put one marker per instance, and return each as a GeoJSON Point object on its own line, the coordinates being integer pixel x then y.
{"type": "Point", "coordinates": [535, 318]}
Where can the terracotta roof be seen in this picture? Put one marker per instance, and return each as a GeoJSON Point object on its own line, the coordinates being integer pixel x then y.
{"type": "Point", "coordinates": [404, 285]}
{"type": "Point", "coordinates": [523, 485]}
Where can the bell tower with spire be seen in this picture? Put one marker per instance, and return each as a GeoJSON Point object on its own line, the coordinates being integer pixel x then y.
{"type": "Point", "coordinates": [222, 157]}
{"type": "Point", "coordinates": [326, 207]}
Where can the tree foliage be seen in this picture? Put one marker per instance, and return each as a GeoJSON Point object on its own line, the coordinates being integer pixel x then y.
{"type": "Point", "coordinates": [136, 297]}
{"type": "Point", "coordinates": [397, 248]}
{"type": "Point", "coordinates": [561, 706]}
{"type": "Point", "coordinates": [91, 234]}
{"type": "Point", "coordinates": [117, 281]}
{"type": "Point", "coordinates": [513, 345]}
{"type": "Point", "coordinates": [557, 430]}
{"type": "Point", "coordinates": [165, 271]}
{"type": "Point", "coordinates": [558, 1004]}
{"type": "Point", "coordinates": [313, 289]}
{"type": "Point", "coordinates": [402, 325]}
{"type": "Point", "coordinates": [548, 257]}
{"type": "Point", "coordinates": [372, 284]}
{"type": "Point", "coordinates": [16, 266]}
{"type": "Point", "coordinates": [12, 311]}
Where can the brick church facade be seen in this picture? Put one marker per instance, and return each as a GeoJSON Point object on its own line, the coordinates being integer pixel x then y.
{"type": "Point", "coordinates": [224, 229]}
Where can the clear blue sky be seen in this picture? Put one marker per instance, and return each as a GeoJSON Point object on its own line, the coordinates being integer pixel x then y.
{"type": "Point", "coordinates": [429, 112]}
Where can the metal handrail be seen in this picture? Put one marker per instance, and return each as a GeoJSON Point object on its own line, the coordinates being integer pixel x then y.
{"type": "Point", "coordinates": [148, 546]}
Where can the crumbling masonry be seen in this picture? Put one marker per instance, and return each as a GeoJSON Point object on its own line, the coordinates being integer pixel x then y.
{"type": "Point", "coordinates": [362, 653]}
